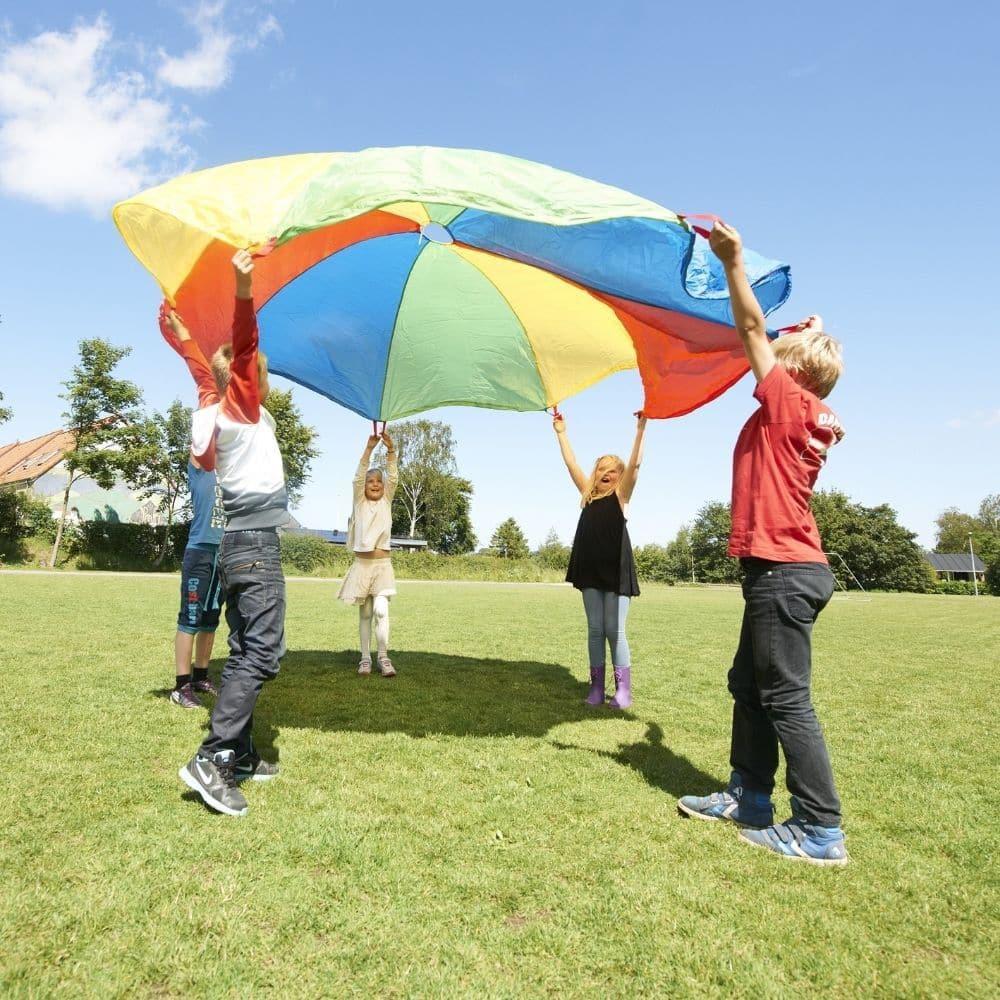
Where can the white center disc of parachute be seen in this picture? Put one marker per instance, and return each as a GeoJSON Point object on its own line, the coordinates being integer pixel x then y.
{"type": "Point", "coordinates": [436, 233]}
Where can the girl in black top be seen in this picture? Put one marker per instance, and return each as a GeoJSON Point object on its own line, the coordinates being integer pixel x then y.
{"type": "Point", "coordinates": [601, 566]}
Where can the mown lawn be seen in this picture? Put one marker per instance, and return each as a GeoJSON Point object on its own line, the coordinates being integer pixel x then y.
{"type": "Point", "coordinates": [471, 829]}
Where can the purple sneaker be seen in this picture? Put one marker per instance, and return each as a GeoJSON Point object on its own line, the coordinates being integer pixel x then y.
{"type": "Point", "coordinates": [185, 697]}
{"type": "Point", "coordinates": [205, 687]}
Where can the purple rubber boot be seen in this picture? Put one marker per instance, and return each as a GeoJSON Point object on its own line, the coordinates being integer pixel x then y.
{"type": "Point", "coordinates": [623, 688]}
{"type": "Point", "coordinates": [596, 695]}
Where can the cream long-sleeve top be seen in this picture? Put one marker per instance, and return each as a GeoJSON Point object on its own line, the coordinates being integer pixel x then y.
{"type": "Point", "coordinates": [371, 522]}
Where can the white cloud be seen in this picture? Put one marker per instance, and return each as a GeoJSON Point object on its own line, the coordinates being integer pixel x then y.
{"type": "Point", "coordinates": [209, 64]}
{"type": "Point", "coordinates": [80, 129]}
{"type": "Point", "coordinates": [74, 131]}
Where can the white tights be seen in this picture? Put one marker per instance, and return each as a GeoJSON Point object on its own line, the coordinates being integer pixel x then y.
{"type": "Point", "coordinates": [377, 608]}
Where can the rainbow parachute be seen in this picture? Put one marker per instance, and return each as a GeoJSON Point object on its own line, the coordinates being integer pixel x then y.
{"type": "Point", "coordinates": [397, 280]}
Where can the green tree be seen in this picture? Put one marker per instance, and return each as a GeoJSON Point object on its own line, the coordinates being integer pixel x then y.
{"type": "Point", "coordinates": [552, 553]}
{"type": "Point", "coordinates": [709, 539]}
{"type": "Point", "coordinates": [5, 413]}
{"type": "Point", "coordinates": [428, 485]}
{"type": "Point", "coordinates": [106, 422]}
{"type": "Point", "coordinates": [679, 557]}
{"type": "Point", "coordinates": [450, 530]}
{"type": "Point", "coordinates": [993, 577]}
{"type": "Point", "coordinates": [989, 512]}
{"type": "Point", "coordinates": [956, 530]}
{"type": "Point", "coordinates": [443, 514]}
{"type": "Point", "coordinates": [508, 541]}
{"type": "Point", "coordinates": [161, 470]}
{"type": "Point", "coordinates": [651, 563]}
{"type": "Point", "coordinates": [953, 530]}
{"type": "Point", "coordinates": [22, 516]}
{"type": "Point", "coordinates": [880, 552]}
{"type": "Point", "coordinates": [296, 441]}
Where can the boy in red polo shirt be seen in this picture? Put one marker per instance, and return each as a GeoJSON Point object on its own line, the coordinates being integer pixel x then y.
{"type": "Point", "coordinates": [787, 583]}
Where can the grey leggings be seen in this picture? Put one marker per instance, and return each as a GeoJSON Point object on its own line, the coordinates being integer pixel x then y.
{"type": "Point", "coordinates": [606, 614]}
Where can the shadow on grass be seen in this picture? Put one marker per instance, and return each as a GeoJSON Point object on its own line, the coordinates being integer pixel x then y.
{"type": "Point", "coordinates": [658, 765]}
{"type": "Point", "coordinates": [438, 694]}
{"type": "Point", "coordinates": [432, 694]}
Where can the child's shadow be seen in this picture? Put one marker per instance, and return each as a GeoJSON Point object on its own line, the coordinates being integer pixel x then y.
{"type": "Point", "coordinates": [658, 764]}
{"type": "Point", "coordinates": [438, 694]}
{"type": "Point", "coordinates": [432, 694]}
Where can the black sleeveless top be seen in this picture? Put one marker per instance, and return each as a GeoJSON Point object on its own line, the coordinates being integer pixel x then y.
{"type": "Point", "coordinates": [602, 551]}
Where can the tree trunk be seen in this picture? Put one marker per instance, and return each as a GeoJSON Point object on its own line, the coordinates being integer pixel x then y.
{"type": "Point", "coordinates": [166, 538]}
{"type": "Point", "coordinates": [62, 523]}
{"type": "Point", "coordinates": [164, 544]}
{"type": "Point", "coordinates": [413, 515]}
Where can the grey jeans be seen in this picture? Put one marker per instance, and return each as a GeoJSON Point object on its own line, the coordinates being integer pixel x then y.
{"type": "Point", "coordinates": [250, 564]}
{"type": "Point", "coordinates": [770, 680]}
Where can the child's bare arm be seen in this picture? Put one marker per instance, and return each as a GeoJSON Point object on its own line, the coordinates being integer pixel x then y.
{"type": "Point", "coordinates": [575, 472]}
{"type": "Point", "coordinates": [172, 326]}
{"type": "Point", "coordinates": [243, 267]}
{"type": "Point", "coordinates": [748, 317]}
{"type": "Point", "coordinates": [631, 473]}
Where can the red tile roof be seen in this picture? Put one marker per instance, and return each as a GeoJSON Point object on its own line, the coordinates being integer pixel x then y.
{"type": "Point", "coordinates": [25, 461]}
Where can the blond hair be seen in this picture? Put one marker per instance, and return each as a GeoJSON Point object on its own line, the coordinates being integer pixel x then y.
{"type": "Point", "coordinates": [222, 361]}
{"type": "Point", "coordinates": [592, 492]}
{"type": "Point", "coordinates": [815, 356]}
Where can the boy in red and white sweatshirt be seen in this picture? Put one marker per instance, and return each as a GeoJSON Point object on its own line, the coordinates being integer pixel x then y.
{"type": "Point", "coordinates": [235, 436]}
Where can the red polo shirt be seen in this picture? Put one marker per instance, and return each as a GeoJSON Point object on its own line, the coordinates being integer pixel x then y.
{"type": "Point", "coordinates": [778, 456]}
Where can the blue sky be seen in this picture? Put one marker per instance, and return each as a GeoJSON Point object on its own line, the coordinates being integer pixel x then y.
{"type": "Point", "coordinates": [855, 141]}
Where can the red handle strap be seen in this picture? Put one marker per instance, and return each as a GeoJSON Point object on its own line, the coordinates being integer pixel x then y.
{"type": "Point", "coordinates": [375, 429]}
{"type": "Point", "coordinates": [263, 249]}
{"type": "Point", "coordinates": [700, 230]}
{"type": "Point", "coordinates": [798, 327]}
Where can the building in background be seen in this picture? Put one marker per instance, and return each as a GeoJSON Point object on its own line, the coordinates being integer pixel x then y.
{"type": "Point", "coordinates": [956, 566]}
{"type": "Point", "coordinates": [38, 465]}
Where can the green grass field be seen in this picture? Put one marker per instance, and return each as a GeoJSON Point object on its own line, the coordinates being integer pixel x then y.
{"type": "Point", "coordinates": [471, 829]}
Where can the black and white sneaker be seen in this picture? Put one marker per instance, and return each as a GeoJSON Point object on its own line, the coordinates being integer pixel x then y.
{"type": "Point", "coordinates": [255, 769]}
{"type": "Point", "coordinates": [214, 779]}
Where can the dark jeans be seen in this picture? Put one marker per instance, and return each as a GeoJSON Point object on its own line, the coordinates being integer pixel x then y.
{"type": "Point", "coordinates": [769, 682]}
{"type": "Point", "coordinates": [250, 563]}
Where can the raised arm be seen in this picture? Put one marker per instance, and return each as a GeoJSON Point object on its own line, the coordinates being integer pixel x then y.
{"type": "Point", "coordinates": [575, 472]}
{"type": "Point", "coordinates": [177, 335]}
{"type": "Point", "coordinates": [363, 466]}
{"type": "Point", "coordinates": [631, 473]}
{"type": "Point", "coordinates": [391, 465]}
{"type": "Point", "coordinates": [243, 394]}
{"type": "Point", "coordinates": [748, 317]}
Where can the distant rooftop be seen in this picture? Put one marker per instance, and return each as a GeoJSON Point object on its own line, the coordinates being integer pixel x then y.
{"type": "Point", "coordinates": [25, 461]}
{"type": "Point", "coordinates": [955, 562]}
{"type": "Point", "coordinates": [335, 537]}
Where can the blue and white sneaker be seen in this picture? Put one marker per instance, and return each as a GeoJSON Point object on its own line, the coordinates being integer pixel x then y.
{"type": "Point", "coordinates": [799, 840]}
{"type": "Point", "coordinates": [736, 804]}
